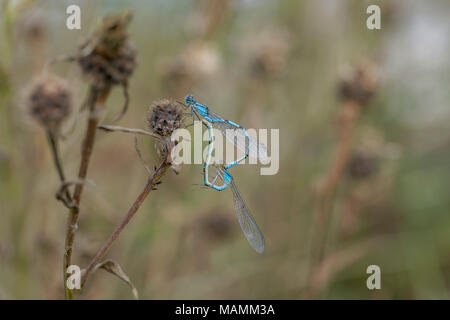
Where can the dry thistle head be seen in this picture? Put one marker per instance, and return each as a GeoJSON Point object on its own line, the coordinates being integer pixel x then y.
{"type": "Point", "coordinates": [33, 30]}
{"type": "Point", "coordinates": [215, 225]}
{"type": "Point", "coordinates": [164, 117]}
{"type": "Point", "coordinates": [49, 101]}
{"type": "Point", "coordinates": [112, 33]}
{"type": "Point", "coordinates": [270, 55]}
{"type": "Point", "coordinates": [107, 57]}
{"type": "Point", "coordinates": [366, 160]}
{"type": "Point", "coordinates": [363, 165]}
{"type": "Point", "coordinates": [197, 63]}
{"type": "Point", "coordinates": [104, 72]}
{"type": "Point", "coordinates": [360, 83]}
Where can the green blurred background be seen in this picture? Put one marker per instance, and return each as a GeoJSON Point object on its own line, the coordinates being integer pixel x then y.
{"type": "Point", "coordinates": [263, 64]}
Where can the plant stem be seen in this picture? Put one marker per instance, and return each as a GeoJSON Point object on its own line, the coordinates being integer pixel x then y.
{"type": "Point", "coordinates": [326, 195]}
{"type": "Point", "coordinates": [55, 154]}
{"type": "Point", "coordinates": [151, 182]}
{"type": "Point", "coordinates": [128, 130]}
{"type": "Point", "coordinates": [95, 106]}
{"type": "Point", "coordinates": [53, 142]}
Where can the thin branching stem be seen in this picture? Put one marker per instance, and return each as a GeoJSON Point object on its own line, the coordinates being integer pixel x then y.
{"type": "Point", "coordinates": [95, 106]}
{"type": "Point", "coordinates": [64, 195]}
{"type": "Point", "coordinates": [151, 183]}
{"type": "Point", "coordinates": [325, 198]}
{"type": "Point", "coordinates": [128, 130]}
{"type": "Point", "coordinates": [53, 143]}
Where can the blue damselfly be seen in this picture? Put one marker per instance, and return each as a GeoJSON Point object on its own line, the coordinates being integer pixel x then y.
{"type": "Point", "coordinates": [222, 180]}
{"type": "Point", "coordinates": [235, 133]}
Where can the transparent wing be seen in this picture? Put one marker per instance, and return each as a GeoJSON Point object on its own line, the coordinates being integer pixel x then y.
{"type": "Point", "coordinates": [237, 137]}
{"type": "Point", "coordinates": [215, 174]}
{"type": "Point", "coordinates": [246, 220]}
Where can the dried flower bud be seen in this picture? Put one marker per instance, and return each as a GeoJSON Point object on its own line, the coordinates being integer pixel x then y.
{"type": "Point", "coordinates": [32, 30]}
{"type": "Point", "coordinates": [197, 63]}
{"type": "Point", "coordinates": [359, 84]}
{"type": "Point", "coordinates": [271, 57]}
{"type": "Point", "coordinates": [215, 225]}
{"type": "Point", "coordinates": [49, 101]}
{"type": "Point", "coordinates": [164, 117]}
{"type": "Point", "coordinates": [363, 165]}
{"type": "Point", "coordinates": [108, 58]}
{"type": "Point", "coordinates": [112, 35]}
{"type": "Point", "coordinates": [104, 72]}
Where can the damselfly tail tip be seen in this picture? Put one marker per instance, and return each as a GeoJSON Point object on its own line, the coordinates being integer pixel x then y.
{"type": "Point", "coordinates": [260, 248]}
{"type": "Point", "coordinates": [258, 243]}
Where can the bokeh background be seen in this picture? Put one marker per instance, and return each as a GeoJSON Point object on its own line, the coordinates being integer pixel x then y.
{"type": "Point", "coordinates": [263, 64]}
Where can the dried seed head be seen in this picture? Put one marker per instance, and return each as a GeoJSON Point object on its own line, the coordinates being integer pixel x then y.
{"type": "Point", "coordinates": [108, 58]}
{"type": "Point", "coordinates": [267, 54]}
{"type": "Point", "coordinates": [363, 165]}
{"type": "Point", "coordinates": [366, 160]}
{"type": "Point", "coordinates": [104, 72]}
{"type": "Point", "coordinates": [33, 30]}
{"type": "Point", "coordinates": [359, 84]}
{"type": "Point", "coordinates": [215, 225]}
{"type": "Point", "coordinates": [49, 101]}
{"type": "Point", "coordinates": [271, 53]}
{"type": "Point", "coordinates": [197, 63]}
{"type": "Point", "coordinates": [164, 117]}
{"type": "Point", "coordinates": [112, 33]}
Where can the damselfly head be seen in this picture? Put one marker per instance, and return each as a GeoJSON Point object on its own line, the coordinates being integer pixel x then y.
{"type": "Point", "coordinates": [189, 99]}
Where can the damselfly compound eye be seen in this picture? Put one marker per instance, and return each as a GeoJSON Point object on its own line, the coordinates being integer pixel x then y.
{"type": "Point", "coordinates": [189, 99]}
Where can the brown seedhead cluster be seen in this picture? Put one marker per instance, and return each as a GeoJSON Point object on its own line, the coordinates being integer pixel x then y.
{"type": "Point", "coordinates": [107, 57]}
{"type": "Point", "coordinates": [359, 84]}
{"type": "Point", "coordinates": [164, 117]}
{"type": "Point", "coordinates": [363, 165]}
{"type": "Point", "coordinates": [271, 56]}
{"type": "Point", "coordinates": [104, 72]}
{"type": "Point", "coordinates": [49, 101]}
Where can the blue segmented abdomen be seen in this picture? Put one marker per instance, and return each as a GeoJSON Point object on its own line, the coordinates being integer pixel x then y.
{"type": "Point", "coordinates": [233, 124]}
{"type": "Point", "coordinates": [208, 118]}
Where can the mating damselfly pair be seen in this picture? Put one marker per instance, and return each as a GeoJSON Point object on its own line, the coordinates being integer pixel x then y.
{"type": "Point", "coordinates": [223, 178]}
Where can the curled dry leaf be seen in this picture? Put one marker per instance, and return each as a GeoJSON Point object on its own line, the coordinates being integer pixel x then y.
{"type": "Point", "coordinates": [114, 268]}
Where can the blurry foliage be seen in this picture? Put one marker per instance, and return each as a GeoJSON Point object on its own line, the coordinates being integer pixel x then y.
{"type": "Point", "coordinates": [395, 217]}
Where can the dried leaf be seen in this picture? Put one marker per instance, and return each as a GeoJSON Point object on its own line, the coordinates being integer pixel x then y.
{"type": "Point", "coordinates": [114, 268]}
